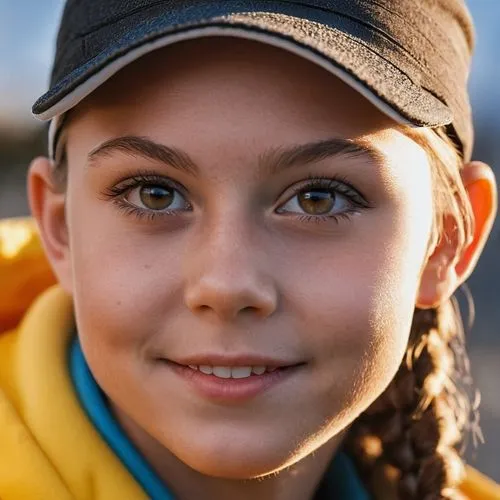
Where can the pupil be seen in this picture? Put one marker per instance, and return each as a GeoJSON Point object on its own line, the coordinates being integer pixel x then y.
{"type": "Point", "coordinates": [156, 197]}
{"type": "Point", "coordinates": [317, 202]}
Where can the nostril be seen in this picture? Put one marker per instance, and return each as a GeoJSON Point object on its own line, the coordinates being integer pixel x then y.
{"type": "Point", "coordinates": [229, 304]}
{"type": "Point", "coordinates": [249, 309]}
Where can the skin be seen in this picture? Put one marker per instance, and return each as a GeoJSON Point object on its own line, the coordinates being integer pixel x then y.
{"type": "Point", "coordinates": [235, 274]}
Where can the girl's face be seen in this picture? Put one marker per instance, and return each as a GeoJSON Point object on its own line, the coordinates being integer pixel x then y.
{"type": "Point", "coordinates": [230, 204]}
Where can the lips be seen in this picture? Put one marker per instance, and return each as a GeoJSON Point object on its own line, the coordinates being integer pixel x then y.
{"type": "Point", "coordinates": [232, 379]}
{"type": "Point", "coordinates": [237, 372]}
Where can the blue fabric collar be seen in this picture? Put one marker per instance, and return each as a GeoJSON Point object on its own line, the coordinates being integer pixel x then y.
{"type": "Point", "coordinates": [95, 404]}
{"type": "Point", "coordinates": [340, 483]}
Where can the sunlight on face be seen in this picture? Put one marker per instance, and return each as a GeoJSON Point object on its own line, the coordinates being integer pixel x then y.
{"type": "Point", "coordinates": [230, 201]}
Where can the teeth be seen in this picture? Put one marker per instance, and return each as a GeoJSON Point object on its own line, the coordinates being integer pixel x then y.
{"type": "Point", "coordinates": [232, 372]}
{"type": "Point", "coordinates": [222, 371]}
{"type": "Point", "coordinates": [258, 370]}
{"type": "Point", "coordinates": [241, 371]}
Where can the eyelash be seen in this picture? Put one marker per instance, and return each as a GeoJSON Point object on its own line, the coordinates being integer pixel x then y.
{"type": "Point", "coordinates": [116, 193]}
{"type": "Point", "coordinates": [336, 183]}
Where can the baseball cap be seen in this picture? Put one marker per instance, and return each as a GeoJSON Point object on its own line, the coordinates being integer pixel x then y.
{"type": "Point", "coordinates": [410, 58]}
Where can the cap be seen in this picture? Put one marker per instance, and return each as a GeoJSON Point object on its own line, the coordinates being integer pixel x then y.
{"type": "Point", "coordinates": [410, 58]}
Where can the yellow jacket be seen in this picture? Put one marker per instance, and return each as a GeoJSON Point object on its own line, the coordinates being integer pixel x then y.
{"type": "Point", "coordinates": [49, 449]}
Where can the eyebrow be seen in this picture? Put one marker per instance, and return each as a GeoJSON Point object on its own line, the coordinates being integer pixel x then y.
{"type": "Point", "coordinates": [146, 148]}
{"type": "Point", "coordinates": [274, 160]}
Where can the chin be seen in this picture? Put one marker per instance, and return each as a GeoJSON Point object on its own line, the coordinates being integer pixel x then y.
{"type": "Point", "coordinates": [238, 464]}
{"type": "Point", "coordinates": [241, 470]}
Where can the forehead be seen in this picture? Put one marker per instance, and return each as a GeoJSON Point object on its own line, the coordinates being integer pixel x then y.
{"type": "Point", "coordinates": [218, 78]}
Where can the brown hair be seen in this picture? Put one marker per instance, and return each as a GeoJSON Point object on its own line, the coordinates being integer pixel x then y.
{"type": "Point", "coordinates": [408, 443]}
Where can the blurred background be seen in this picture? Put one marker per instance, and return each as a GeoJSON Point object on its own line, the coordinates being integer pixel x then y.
{"type": "Point", "coordinates": [27, 35]}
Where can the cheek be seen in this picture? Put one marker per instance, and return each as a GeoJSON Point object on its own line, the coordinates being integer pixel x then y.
{"type": "Point", "coordinates": [356, 301]}
{"type": "Point", "coordinates": [125, 282]}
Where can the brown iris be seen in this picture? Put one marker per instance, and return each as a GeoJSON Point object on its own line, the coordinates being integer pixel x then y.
{"type": "Point", "coordinates": [316, 202]}
{"type": "Point", "coordinates": [156, 197]}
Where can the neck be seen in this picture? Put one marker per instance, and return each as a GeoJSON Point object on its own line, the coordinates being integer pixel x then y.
{"type": "Point", "coordinates": [297, 482]}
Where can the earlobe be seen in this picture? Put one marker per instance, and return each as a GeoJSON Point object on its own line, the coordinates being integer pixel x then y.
{"type": "Point", "coordinates": [446, 270]}
{"type": "Point", "coordinates": [48, 207]}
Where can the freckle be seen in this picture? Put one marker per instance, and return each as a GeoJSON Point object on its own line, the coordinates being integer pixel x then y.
{"type": "Point", "coordinates": [147, 266]}
{"type": "Point", "coordinates": [119, 303]}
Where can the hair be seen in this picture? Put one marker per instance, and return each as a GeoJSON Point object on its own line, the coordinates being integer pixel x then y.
{"type": "Point", "coordinates": [408, 443]}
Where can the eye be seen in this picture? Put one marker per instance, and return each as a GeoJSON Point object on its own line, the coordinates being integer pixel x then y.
{"type": "Point", "coordinates": [317, 202]}
{"type": "Point", "coordinates": [156, 198]}
{"type": "Point", "coordinates": [324, 198]}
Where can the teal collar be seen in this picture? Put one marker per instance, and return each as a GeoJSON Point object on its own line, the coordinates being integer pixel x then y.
{"type": "Point", "coordinates": [97, 409]}
{"type": "Point", "coordinates": [340, 483]}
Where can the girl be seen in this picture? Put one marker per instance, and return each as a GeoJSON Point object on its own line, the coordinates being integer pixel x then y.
{"type": "Point", "coordinates": [256, 233]}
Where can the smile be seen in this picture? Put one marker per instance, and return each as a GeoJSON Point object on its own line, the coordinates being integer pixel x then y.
{"type": "Point", "coordinates": [238, 372]}
{"type": "Point", "coordinates": [232, 383]}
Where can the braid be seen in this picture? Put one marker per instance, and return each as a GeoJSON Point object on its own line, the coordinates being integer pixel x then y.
{"type": "Point", "coordinates": [407, 444]}
{"type": "Point", "coordinates": [408, 441]}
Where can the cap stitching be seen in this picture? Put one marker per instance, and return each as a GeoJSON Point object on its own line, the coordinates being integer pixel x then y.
{"type": "Point", "coordinates": [120, 17]}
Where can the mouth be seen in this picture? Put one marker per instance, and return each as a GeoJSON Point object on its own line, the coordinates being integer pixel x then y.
{"type": "Point", "coordinates": [235, 372]}
{"type": "Point", "coordinates": [234, 382]}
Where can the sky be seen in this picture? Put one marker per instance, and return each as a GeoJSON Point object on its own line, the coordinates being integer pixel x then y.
{"type": "Point", "coordinates": [27, 36]}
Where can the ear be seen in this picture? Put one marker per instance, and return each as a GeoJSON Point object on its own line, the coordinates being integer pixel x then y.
{"type": "Point", "coordinates": [48, 207]}
{"type": "Point", "coordinates": [445, 270]}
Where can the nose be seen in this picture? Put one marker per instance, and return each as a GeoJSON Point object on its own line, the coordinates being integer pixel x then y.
{"type": "Point", "coordinates": [226, 279]}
